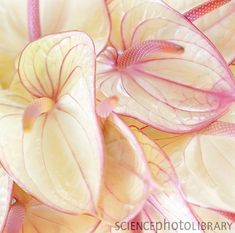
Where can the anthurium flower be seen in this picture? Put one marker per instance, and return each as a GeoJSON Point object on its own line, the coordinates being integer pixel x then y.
{"type": "Point", "coordinates": [27, 215]}
{"type": "Point", "coordinates": [214, 18]}
{"type": "Point", "coordinates": [25, 20]}
{"type": "Point", "coordinates": [5, 196]}
{"type": "Point", "coordinates": [164, 71]}
{"type": "Point", "coordinates": [204, 163]}
{"type": "Point", "coordinates": [206, 156]}
{"type": "Point", "coordinates": [50, 138]}
{"type": "Point", "coordinates": [127, 181]}
{"type": "Point", "coordinates": [165, 202]}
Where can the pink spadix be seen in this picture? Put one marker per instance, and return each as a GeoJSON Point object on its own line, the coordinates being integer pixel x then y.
{"type": "Point", "coordinates": [34, 27]}
{"type": "Point", "coordinates": [220, 128]}
{"type": "Point", "coordinates": [15, 219]}
{"type": "Point", "coordinates": [140, 51]}
{"type": "Point", "coordinates": [204, 9]}
{"type": "Point", "coordinates": [105, 108]}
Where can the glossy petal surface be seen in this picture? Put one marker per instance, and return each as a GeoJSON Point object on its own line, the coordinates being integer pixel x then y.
{"type": "Point", "coordinates": [60, 160]}
{"type": "Point", "coordinates": [56, 16]}
{"type": "Point", "coordinates": [167, 201]}
{"type": "Point", "coordinates": [217, 25]}
{"type": "Point", "coordinates": [170, 91]}
{"type": "Point", "coordinates": [127, 182]}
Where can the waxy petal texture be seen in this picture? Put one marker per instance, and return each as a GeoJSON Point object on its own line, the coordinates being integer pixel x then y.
{"type": "Point", "coordinates": [206, 156]}
{"type": "Point", "coordinates": [127, 181]}
{"type": "Point", "coordinates": [5, 196]}
{"type": "Point", "coordinates": [217, 25]}
{"type": "Point", "coordinates": [201, 160]}
{"type": "Point", "coordinates": [167, 202]}
{"type": "Point", "coordinates": [51, 66]}
{"type": "Point", "coordinates": [38, 218]}
{"type": "Point", "coordinates": [56, 16]}
{"type": "Point", "coordinates": [60, 159]}
{"type": "Point", "coordinates": [41, 219]}
{"type": "Point", "coordinates": [175, 90]}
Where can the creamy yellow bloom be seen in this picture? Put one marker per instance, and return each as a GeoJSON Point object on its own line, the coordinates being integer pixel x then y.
{"type": "Point", "coordinates": [58, 157]}
{"type": "Point", "coordinates": [56, 16]}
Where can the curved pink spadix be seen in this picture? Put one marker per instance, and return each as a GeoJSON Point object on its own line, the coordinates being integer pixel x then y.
{"type": "Point", "coordinates": [220, 128]}
{"type": "Point", "coordinates": [34, 110]}
{"type": "Point", "coordinates": [15, 219]}
{"type": "Point", "coordinates": [34, 27]}
{"type": "Point", "coordinates": [136, 53]}
{"type": "Point", "coordinates": [204, 9]}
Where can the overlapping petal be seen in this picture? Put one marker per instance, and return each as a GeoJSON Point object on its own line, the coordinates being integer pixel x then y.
{"type": "Point", "coordinates": [217, 25]}
{"type": "Point", "coordinates": [5, 196]}
{"type": "Point", "coordinates": [167, 202]}
{"type": "Point", "coordinates": [59, 160]}
{"type": "Point", "coordinates": [127, 181]}
{"type": "Point", "coordinates": [178, 91]}
{"type": "Point", "coordinates": [56, 16]}
{"type": "Point", "coordinates": [38, 218]}
{"type": "Point", "coordinates": [200, 160]}
{"type": "Point", "coordinates": [206, 156]}
{"type": "Point", "coordinates": [50, 67]}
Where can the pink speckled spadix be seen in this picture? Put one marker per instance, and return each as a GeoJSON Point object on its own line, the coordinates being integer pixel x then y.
{"type": "Point", "coordinates": [140, 51]}
{"type": "Point", "coordinates": [204, 9]}
{"type": "Point", "coordinates": [34, 26]}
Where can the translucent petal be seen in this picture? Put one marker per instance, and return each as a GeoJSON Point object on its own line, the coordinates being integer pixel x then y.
{"type": "Point", "coordinates": [167, 201]}
{"type": "Point", "coordinates": [171, 92]}
{"type": "Point", "coordinates": [52, 65]}
{"type": "Point", "coordinates": [60, 160]}
{"type": "Point", "coordinates": [217, 25]}
{"type": "Point", "coordinates": [117, 9]}
{"type": "Point", "coordinates": [127, 182]}
{"type": "Point", "coordinates": [39, 218]}
{"type": "Point", "coordinates": [56, 16]}
{"type": "Point", "coordinates": [206, 156]}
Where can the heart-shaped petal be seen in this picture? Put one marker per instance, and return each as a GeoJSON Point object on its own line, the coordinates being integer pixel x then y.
{"type": "Point", "coordinates": [199, 159]}
{"type": "Point", "coordinates": [59, 159]}
{"type": "Point", "coordinates": [165, 72]}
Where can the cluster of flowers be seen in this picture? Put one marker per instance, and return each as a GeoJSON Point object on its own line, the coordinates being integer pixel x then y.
{"type": "Point", "coordinates": [116, 111]}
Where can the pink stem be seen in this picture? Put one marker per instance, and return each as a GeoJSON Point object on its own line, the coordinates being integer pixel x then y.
{"type": "Point", "coordinates": [34, 26]}
{"type": "Point", "coordinates": [204, 9]}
